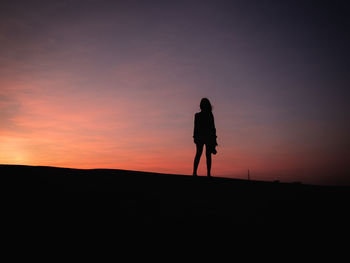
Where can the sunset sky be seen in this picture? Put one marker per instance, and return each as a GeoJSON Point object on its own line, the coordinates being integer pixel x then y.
{"type": "Point", "coordinates": [116, 84]}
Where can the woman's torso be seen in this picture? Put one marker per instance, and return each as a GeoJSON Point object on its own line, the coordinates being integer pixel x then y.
{"type": "Point", "coordinates": [204, 125]}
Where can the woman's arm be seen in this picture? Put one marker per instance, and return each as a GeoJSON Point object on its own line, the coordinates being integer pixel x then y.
{"type": "Point", "coordinates": [212, 125]}
{"type": "Point", "coordinates": [196, 126]}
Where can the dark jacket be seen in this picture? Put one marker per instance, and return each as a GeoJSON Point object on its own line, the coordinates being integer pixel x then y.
{"type": "Point", "coordinates": [204, 128]}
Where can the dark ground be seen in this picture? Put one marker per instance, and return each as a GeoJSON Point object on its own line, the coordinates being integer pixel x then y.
{"type": "Point", "coordinates": [103, 200]}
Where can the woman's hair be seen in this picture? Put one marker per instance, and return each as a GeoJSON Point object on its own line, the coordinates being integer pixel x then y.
{"type": "Point", "coordinates": [205, 105]}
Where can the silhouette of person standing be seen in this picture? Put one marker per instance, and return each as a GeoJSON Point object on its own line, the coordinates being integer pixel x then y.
{"type": "Point", "coordinates": [204, 133]}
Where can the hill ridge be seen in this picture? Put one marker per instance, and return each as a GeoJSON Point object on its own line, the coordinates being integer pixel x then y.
{"type": "Point", "coordinates": [155, 199]}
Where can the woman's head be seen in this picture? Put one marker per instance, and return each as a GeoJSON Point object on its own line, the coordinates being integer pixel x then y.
{"type": "Point", "coordinates": [205, 105]}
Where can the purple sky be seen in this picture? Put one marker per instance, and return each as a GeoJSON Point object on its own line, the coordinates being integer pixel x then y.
{"type": "Point", "coordinates": [116, 84]}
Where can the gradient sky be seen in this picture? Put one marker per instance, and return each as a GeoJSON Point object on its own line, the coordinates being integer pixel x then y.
{"type": "Point", "coordinates": [116, 84]}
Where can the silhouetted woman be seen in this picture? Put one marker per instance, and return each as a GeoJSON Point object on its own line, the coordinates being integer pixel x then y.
{"type": "Point", "coordinates": [204, 133]}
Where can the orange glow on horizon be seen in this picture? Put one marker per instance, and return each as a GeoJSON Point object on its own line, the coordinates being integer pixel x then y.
{"type": "Point", "coordinates": [96, 130]}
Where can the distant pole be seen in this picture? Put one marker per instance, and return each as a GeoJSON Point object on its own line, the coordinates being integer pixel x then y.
{"type": "Point", "coordinates": [248, 175]}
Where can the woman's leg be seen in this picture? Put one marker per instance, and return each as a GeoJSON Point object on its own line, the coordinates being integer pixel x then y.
{"type": "Point", "coordinates": [208, 155]}
{"type": "Point", "coordinates": [199, 147]}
